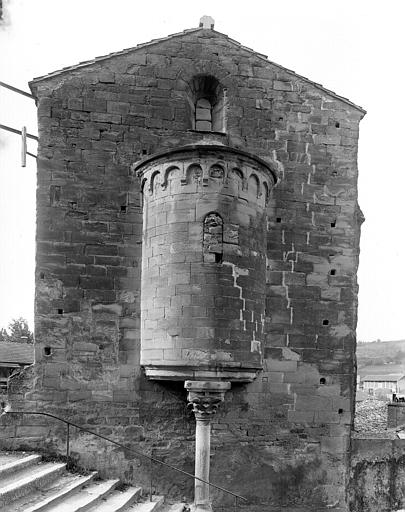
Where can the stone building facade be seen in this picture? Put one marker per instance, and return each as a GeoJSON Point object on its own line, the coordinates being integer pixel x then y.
{"type": "Point", "coordinates": [197, 220]}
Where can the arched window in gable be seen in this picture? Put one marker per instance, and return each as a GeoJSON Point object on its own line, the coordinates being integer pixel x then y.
{"type": "Point", "coordinates": [208, 99]}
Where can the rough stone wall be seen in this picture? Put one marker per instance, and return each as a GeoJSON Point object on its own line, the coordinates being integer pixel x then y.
{"type": "Point", "coordinates": [282, 441]}
{"type": "Point", "coordinates": [377, 475]}
{"type": "Point", "coordinates": [395, 414]}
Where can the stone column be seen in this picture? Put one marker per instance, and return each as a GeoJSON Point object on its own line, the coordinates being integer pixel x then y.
{"type": "Point", "coordinates": [204, 398]}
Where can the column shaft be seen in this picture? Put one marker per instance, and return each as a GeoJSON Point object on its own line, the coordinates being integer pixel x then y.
{"type": "Point", "coordinates": [204, 398]}
{"type": "Point", "coordinates": [202, 462]}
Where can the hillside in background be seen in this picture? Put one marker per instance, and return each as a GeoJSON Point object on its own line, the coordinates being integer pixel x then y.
{"type": "Point", "coordinates": [380, 357]}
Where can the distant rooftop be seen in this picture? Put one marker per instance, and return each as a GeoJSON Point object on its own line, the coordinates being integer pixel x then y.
{"type": "Point", "coordinates": [20, 353]}
{"type": "Point", "coordinates": [388, 377]}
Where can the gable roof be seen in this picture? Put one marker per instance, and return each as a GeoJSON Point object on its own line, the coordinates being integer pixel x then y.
{"type": "Point", "coordinates": [126, 51]}
{"type": "Point", "coordinates": [21, 353]}
{"type": "Point", "coordinates": [388, 377]}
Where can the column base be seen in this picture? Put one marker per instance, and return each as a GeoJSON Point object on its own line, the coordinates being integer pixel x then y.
{"type": "Point", "coordinates": [201, 507]}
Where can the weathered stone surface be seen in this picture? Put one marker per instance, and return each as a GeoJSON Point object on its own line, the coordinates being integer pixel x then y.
{"type": "Point", "coordinates": [281, 440]}
{"type": "Point", "coordinates": [395, 414]}
{"type": "Point", "coordinates": [218, 325]}
{"type": "Point", "coordinates": [377, 475]}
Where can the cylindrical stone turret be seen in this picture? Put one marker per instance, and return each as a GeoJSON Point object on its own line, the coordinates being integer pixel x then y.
{"type": "Point", "coordinates": [203, 263]}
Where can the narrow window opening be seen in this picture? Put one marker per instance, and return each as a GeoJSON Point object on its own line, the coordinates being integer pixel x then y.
{"type": "Point", "coordinates": [322, 381]}
{"type": "Point", "coordinates": [123, 208]}
{"type": "Point", "coordinates": [213, 232]}
{"type": "Point", "coordinates": [60, 311]}
{"type": "Point", "coordinates": [333, 272]}
{"type": "Point", "coordinates": [218, 257]}
{"type": "Point", "coordinates": [340, 411]}
{"type": "Point", "coordinates": [333, 224]}
{"type": "Point", "coordinates": [203, 115]}
{"type": "Point", "coordinates": [325, 322]}
{"type": "Point", "coordinates": [278, 220]}
{"type": "Point", "coordinates": [337, 124]}
{"type": "Point", "coordinates": [47, 351]}
{"type": "Point", "coordinates": [42, 275]}
{"type": "Point", "coordinates": [207, 101]}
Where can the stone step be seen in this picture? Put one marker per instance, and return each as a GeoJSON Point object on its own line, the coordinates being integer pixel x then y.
{"type": "Point", "coordinates": [117, 501]}
{"type": "Point", "coordinates": [177, 507]}
{"type": "Point", "coordinates": [29, 485]}
{"type": "Point", "coordinates": [18, 484]}
{"type": "Point", "coordinates": [148, 506]}
{"type": "Point", "coordinates": [87, 498]}
{"type": "Point", "coordinates": [11, 464]}
{"type": "Point", "coordinates": [51, 494]}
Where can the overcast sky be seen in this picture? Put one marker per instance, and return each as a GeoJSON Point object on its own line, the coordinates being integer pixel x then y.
{"type": "Point", "coordinates": [354, 47]}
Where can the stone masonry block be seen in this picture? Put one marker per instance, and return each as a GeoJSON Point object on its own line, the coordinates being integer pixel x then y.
{"type": "Point", "coordinates": [313, 403]}
{"type": "Point", "coordinates": [106, 116]}
{"type": "Point", "coordinates": [118, 107]}
{"type": "Point", "coordinates": [281, 366]}
{"type": "Point", "coordinates": [306, 417]}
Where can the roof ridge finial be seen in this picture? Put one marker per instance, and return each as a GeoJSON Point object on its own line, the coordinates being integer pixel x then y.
{"type": "Point", "coordinates": [207, 22]}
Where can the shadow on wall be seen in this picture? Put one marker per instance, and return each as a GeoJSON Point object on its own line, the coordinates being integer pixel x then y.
{"type": "Point", "coordinates": [296, 482]}
{"type": "Point", "coordinates": [377, 475]}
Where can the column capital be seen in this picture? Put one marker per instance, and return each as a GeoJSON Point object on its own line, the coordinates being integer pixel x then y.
{"type": "Point", "coordinates": [205, 396]}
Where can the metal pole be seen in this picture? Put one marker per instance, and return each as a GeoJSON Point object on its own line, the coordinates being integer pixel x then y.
{"type": "Point", "coordinates": [150, 476]}
{"type": "Point", "coordinates": [23, 146]}
{"type": "Point", "coordinates": [68, 440]}
{"type": "Point", "coordinates": [18, 132]}
{"type": "Point", "coordinates": [132, 450]}
{"type": "Point", "coordinates": [15, 89]}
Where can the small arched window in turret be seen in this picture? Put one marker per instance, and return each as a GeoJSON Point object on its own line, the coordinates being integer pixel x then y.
{"type": "Point", "coordinates": [213, 238]}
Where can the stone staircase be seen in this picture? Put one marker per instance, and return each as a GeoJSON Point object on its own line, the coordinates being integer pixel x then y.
{"type": "Point", "coordinates": [29, 484]}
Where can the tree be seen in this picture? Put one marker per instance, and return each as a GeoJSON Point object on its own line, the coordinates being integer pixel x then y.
{"type": "Point", "coordinates": [17, 332]}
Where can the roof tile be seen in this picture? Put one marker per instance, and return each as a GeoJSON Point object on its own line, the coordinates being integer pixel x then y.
{"type": "Point", "coordinates": [16, 352]}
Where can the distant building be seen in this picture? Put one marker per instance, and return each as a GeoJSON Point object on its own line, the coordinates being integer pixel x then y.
{"type": "Point", "coordinates": [13, 356]}
{"type": "Point", "coordinates": [361, 395]}
{"type": "Point", "coordinates": [394, 382]}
